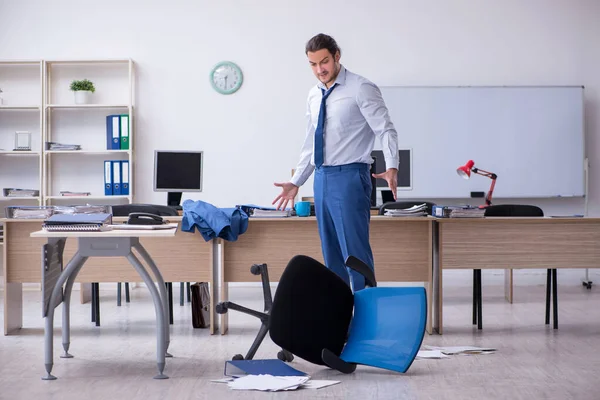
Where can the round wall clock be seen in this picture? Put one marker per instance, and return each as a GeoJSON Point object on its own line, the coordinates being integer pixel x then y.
{"type": "Point", "coordinates": [226, 77]}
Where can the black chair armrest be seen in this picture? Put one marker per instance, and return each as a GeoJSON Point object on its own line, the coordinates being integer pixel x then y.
{"type": "Point", "coordinates": [363, 269]}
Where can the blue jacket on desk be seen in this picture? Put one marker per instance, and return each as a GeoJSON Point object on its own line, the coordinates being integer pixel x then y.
{"type": "Point", "coordinates": [212, 222]}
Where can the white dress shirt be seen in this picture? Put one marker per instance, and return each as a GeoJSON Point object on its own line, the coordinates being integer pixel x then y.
{"type": "Point", "coordinates": [355, 113]}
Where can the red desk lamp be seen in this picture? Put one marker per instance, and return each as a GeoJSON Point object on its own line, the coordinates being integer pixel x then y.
{"type": "Point", "coordinates": [465, 172]}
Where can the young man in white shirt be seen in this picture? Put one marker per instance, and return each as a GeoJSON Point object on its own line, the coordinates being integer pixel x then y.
{"type": "Point", "coordinates": [345, 113]}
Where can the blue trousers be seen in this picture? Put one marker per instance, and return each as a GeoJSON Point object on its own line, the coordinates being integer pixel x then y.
{"type": "Point", "coordinates": [342, 206]}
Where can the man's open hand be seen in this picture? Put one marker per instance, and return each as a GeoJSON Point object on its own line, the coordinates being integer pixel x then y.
{"type": "Point", "coordinates": [391, 177]}
{"type": "Point", "coordinates": [288, 193]}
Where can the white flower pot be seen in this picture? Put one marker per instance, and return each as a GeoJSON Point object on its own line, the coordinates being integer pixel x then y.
{"type": "Point", "coordinates": [82, 96]}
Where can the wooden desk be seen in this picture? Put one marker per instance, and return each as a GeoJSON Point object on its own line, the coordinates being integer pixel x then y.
{"type": "Point", "coordinates": [402, 251]}
{"type": "Point", "coordinates": [184, 258]}
{"type": "Point", "coordinates": [515, 243]}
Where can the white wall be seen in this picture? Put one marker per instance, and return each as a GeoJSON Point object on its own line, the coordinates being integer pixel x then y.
{"type": "Point", "coordinates": [253, 138]}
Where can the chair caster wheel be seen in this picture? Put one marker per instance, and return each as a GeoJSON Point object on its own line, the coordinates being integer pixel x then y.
{"type": "Point", "coordinates": [220, 308]}
{"type": "Point", "coordinates": [588, 284]}
{"type": "Point", "coordinates": [255, 269]}
{"type": "Point", "coordinates": [285, 356]}
{"type": "Point", "coordinates": [238, 357]}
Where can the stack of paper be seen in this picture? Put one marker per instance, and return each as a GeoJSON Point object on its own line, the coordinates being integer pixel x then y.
{"type": "Point", "coordinates": [453, 350]}
{"type": "Point", "coordinates": [425, 354]}
{"type": "Point", "coordinates": [268, 375]}
{"type": "Point", "coordinates": [414, 211]}
{"type": "Point", "coordinates": [258, 213]}
{"type": "Point", "coordinates": [268, 383]}
{"type": "Point", "coordinates": [14, 192]}
{"type": "Point", "coordinates": [67, 193]}
{"type": "Point", "coordinates": [467, 213]}
{"type": "Point", "coordinates": [253, 210]}
{"type": "Point", "coordinates": [62, 146]}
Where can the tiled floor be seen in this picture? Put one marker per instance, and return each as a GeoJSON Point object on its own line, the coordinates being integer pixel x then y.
{"type": "Point", "coordinates": [117, 360]}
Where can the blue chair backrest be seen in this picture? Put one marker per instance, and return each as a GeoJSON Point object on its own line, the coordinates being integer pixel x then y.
{"type": "Point", "coordinates": [387, 328]}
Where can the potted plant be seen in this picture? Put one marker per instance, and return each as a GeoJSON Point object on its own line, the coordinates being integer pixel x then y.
{"type": "Point", "coordinates": [83, 90]}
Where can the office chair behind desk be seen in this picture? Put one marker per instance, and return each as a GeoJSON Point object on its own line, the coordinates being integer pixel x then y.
{"type": "Point", "coordinates": [123, 210]}
{"type": "Point", "coordinates": [514, 210]}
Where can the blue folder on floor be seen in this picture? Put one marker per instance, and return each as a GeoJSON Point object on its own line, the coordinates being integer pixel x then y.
{"type": "Point", "coordinates": [273, 367]}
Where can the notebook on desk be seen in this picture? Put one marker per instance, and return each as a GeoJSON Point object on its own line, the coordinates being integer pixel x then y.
{"type": "Point", "coordinates": [78, 222]}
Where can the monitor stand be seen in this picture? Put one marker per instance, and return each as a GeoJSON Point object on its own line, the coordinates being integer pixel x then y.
{"type": "Point", "coordinates": [174, 200]}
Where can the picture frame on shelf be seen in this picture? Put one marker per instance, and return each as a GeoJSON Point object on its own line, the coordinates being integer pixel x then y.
{"type": "Point", "coordinates": [22, 141]}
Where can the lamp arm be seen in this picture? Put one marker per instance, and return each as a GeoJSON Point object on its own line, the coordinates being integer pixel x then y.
{"type": "Point", "coordinates": [493, 177]}
{"type": "Point", "coordinates": [488, 198]}
{"type": "Point", "coordinates": [488, 174]}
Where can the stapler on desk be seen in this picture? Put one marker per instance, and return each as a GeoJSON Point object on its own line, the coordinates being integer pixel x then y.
{"type": "Point", "coordinates": [139, 218]}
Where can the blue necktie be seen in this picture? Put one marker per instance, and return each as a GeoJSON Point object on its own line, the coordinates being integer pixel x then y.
{"type": "Point", "coordinates": [319, 130]}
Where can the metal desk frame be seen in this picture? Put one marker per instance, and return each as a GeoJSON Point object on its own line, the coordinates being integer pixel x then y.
{"type": "Point", "coordinates": [97, 246]}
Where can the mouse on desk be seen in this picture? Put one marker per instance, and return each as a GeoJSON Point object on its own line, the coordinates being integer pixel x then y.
{"type": "Point", "coordinates": [140, 218]}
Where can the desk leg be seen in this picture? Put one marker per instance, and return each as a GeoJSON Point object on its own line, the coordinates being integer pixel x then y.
{"type": "Point", "coordinates": [224, 326]}
{"type": "Point", "coordinates": [438, 282]}
{"type": "Point", "coordinates": [75, 264]}
{"type": "Point", "coordinates": [224, 290]}
{"type": "Point", "coordinates": [85, 293]}
{"type": "Point", "coordinates": [13, 307]}
{"type": "Point", "coordinates": [429, 284]}
{"type": "Point", "coordinates": [214, 285]}
{"type": "Point", "coordinates": [508, 285]}
{"type": "Point", "coordinates": [162, 322]}
{"type": "Point", "coordinates": [161, 289]}
{"type": "Point", "coordinates": [66, 322]}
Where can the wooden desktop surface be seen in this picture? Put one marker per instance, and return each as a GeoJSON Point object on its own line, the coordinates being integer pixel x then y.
{"type": "Point", "coordinates": [402, 251]}
{"type": "Point", "coordinates": [183, 258]}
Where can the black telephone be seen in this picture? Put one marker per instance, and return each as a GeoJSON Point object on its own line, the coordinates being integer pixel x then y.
{"type": "Point", "coordinates": [141, 218]}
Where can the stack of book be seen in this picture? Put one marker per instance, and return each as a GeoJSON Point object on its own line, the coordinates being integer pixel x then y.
{"type": "Point", "coordinates": [419, 210]}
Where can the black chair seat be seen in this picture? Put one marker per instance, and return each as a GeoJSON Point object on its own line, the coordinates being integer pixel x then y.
{"type": "Point", "coordinates": [326, 329]}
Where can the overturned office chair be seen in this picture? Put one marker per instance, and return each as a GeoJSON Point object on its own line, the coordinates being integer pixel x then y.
{"type": "Point", "coordinates": [514, 210]}
{"type": "Point", "coordinates": [316, 317]}
{"type": "Point", "coordinates": [399, 205]}
{"type": "Point", "coordinates": [123, 210]}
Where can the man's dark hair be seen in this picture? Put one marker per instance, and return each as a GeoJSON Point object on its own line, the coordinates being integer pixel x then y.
{"type": "Point", "coordinates": [322, 41]}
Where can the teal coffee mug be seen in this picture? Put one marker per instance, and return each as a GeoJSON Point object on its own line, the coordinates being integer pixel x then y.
{"type": "Point", "coordinates": [302, 208]}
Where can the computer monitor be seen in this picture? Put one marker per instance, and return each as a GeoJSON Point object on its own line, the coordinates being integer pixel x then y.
{"type": "Point", "coordinates": [177, 171]}
{"type": "Point", "coordinates": [404, 168]}
{"type": "Point", "coordinates": [404, 174]}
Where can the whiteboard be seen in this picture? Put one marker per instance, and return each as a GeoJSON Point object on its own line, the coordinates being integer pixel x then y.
{"type": "Point", "coordinates": [531, 137]}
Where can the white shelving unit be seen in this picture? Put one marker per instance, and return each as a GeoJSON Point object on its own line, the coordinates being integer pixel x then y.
{"type": "Point", "coordinates": [85, 125]}
{"type": "Point", "coordinates": [21, 109]}
{"type": "Point", "coordinates": [37, 98]}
